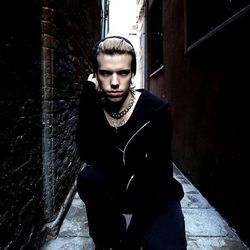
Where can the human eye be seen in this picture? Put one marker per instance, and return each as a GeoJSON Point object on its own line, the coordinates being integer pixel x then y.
{"type": "Point", "coordinates": [103, 72]}
{"type": "Point", "coordinates": [124, 72]}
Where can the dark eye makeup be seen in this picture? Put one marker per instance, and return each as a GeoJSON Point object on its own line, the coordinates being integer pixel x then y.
{"type": "Point", "coordinates": [123, 72]}
{"type": "Point", "coordinates": [105, 72]}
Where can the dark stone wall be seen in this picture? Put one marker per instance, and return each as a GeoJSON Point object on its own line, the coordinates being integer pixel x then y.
{"type": "Point", "coordinates": [44, 55]}
{"type": "Point", "coordinates": [69, 33]}
{"type": "Point", "coordinates": [21, 193]}
{"type": "Point", "coordinates": [208, 89]}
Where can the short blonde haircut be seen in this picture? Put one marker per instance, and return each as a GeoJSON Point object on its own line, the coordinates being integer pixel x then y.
{"type": "Point", "coordinates": [114, 45]}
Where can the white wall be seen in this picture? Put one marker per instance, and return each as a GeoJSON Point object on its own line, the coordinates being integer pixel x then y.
{"type": "Point", "coordinates": [123, 21]}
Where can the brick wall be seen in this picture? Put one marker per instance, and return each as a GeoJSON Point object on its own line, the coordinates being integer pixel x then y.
{"type": "Point", "coordinates": [39, 95]}
{"type": "Point", "coordinates": [20, 109]}
{"type": "Point", "coordinates": [67, 51]}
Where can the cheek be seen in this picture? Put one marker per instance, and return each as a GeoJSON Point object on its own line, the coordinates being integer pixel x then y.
{"type": "Point", "coordinates": [99, 79]}
{"type": "Point", "coordinates": [128, 81]}
{"type": "Point", "coordinates": [102, 82]}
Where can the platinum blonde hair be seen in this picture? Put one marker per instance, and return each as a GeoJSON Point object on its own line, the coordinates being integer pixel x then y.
{"type": "Point", "coordinates": [114, 45]}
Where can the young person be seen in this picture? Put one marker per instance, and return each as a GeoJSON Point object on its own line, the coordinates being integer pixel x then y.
{"type": "Point", "coordinates": [124, 137]}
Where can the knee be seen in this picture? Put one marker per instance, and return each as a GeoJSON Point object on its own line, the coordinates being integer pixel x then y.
{"type": "Point", "coordinates": [87, 176]}
{"type": "Point", "coordinates": [167, 230]}
{"type": "Point", "coordinates": [88, 179]}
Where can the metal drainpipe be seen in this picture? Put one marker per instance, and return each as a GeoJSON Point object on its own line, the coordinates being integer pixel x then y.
{"type": "Point", "coordinates": [146, 45]}
{"type": "Point", "coordinates": [105, 7]}
{"type": "Point", "coordinates": [47, 115]}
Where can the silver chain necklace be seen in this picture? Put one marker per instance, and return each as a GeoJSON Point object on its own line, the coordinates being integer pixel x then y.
{"type": "Point", "coordinates": [119, 115]}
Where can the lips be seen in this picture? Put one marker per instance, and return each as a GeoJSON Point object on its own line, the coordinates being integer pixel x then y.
{"type": "Point", "coordinates": [114, 93]}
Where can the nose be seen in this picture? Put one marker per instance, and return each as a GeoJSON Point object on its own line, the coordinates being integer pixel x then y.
{"type": "Point", "coordinates": [114, 80]}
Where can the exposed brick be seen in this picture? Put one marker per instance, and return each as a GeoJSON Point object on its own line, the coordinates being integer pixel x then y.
{"type": "Point", "coordinates": [48, 41]}
{"type": "Point", "coordinates": [39, 98]}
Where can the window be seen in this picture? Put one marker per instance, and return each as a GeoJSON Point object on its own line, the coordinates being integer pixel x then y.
{"type": "Point", "coordinates": [204, 17]}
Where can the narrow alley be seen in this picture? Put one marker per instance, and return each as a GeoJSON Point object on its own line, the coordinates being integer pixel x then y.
{"type": "Point", "coordinates": [192, 54]}
{"type": "Point", "coordinates": [206, 229]}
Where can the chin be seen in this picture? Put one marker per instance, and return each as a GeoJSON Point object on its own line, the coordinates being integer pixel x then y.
{"type": "Point", "coordinates": [115, 99]}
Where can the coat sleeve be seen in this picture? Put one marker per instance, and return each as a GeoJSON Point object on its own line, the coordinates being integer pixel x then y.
{"type": "Point", "coordinates": [154, 184]}
{"type": "Point", "coordinates": [159, 183]}
{"type": "Point", "coordinates": [86, 121]}
{"type": "Point", "coordinates": [160, 139]}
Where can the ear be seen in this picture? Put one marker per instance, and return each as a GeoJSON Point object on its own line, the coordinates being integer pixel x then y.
{"type": "Point", "coordinates": [132, 77]}
{"type": "Point", "coordinates": [132, 83]}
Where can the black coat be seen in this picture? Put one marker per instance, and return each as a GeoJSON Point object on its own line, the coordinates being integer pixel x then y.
{"type": "Point", "coordinates": [147, 153]}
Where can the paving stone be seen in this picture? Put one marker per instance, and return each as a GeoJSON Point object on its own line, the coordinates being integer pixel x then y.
{"type": "Point", "coordinates": [75, 223]}
{"type": "Point", "coordinates": [216, 243]}
{"type": "Point", "coordinates": [194, 199]}
{"type": "Point", "coordinates": [70, 243]}
{"type": "Point", "coordinates": [205, 222]}
{"type": "Point", "coordinates": [206, 229]}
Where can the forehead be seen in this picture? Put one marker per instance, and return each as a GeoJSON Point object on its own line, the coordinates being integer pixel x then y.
{"type": "Point", "coordinates": [114, 61]}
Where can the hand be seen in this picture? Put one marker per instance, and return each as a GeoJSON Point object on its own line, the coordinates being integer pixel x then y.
{"type": "Point", "coordinates": [93, 79]}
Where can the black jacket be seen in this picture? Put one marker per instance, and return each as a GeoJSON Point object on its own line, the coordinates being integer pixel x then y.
{"type": "Point", "coordinates": [146, 154]}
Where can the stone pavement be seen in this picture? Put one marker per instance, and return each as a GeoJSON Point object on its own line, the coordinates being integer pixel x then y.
{"type": "Point", "coordinates": [205, 228]}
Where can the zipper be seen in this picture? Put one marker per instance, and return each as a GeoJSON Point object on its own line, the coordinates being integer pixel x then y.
{"type": "Point", "coordinates": [131, 178]}
{"type": "Point", "coordinates": [124, 151]}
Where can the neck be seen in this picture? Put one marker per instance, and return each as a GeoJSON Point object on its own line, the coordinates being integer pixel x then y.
{"type": "Point", "coordinates": [115, 106]}
{"type": "Point", "coordinates": [119, 110]}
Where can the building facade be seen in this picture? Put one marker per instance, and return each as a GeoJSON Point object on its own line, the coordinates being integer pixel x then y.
{"type": "Point", "coordinates": [198, 60]}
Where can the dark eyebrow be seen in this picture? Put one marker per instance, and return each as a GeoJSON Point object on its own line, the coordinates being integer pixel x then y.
{"type": "Point", "coordinates": [119, 72]}
{"type": "Point", "coordinates": [124, 72]}
{"type": "Point", "coordinates": [105, 72]}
